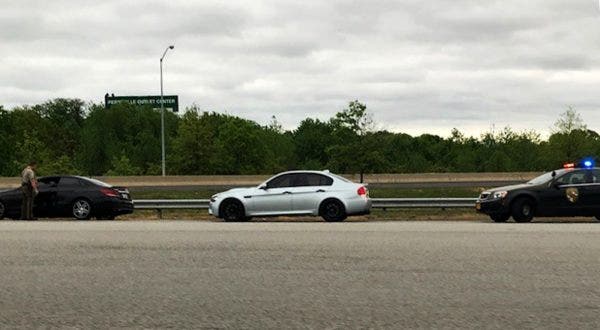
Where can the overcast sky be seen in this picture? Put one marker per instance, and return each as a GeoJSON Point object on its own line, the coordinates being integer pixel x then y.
{"type": "Point", "coordinates": [420, 66]}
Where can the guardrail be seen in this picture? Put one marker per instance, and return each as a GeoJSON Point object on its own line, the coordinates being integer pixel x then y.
{"type": "Point", "coordinates": [378, 203]}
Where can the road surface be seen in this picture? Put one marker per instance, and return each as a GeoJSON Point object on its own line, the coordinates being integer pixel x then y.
{"type": "Point", "coordinates": [299, 275]}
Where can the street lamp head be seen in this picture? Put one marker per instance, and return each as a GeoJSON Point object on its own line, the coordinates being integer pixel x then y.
{"type": "Point", "coordinates": [171, 47]}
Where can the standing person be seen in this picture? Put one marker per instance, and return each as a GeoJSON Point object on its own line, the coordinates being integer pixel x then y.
{"type": "Point", "coordinates": [29, 187]}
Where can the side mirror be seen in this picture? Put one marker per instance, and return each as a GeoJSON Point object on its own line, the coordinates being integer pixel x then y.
{"type": "Point", "coordinates": [263, 187]}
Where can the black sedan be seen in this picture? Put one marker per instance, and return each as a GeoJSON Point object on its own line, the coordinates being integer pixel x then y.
{"type": "Point", "coordinates": [569, 192]}
{"type": "Point", "coordinates": [70, 196]}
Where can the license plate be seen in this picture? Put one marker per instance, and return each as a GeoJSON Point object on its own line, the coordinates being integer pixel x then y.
{"type": "Point", "coordinates": [478, 206]}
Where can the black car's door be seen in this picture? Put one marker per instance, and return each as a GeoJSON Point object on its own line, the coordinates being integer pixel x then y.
{"type": "Point", "coordinates": [12, 200]}
{"type": "Point", "coordinates": [69, 188]}
{"type": "Point", "coordinates": [45, 201]}
{"type": "Point", "coordinates": [552, 201]}
{"type": "Point", "coordinates": [589, 192]}
{"type": "Point", "coordinates": [569, 194]}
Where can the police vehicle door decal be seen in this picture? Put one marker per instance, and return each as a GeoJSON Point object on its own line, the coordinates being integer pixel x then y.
{"type": "Point", "coordinates": [572, 194]}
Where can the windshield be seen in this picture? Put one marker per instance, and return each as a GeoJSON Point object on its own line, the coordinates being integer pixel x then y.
{"type": "Point", "coordinates": [546, 177]}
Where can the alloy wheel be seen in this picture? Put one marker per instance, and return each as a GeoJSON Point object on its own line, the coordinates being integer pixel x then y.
{"type": "Point", "coordinates": [82, 209]}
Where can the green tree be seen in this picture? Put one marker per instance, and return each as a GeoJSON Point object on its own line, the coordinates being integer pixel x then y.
{"type": "Point", "coordinates": [124, 129]}
{"type": "Point", "coordinates": [568, 122]}
{"type": "Point", "coordinates": [571, 140]}
{"type": "Point", "coordinates": [352, 150]}
{"type": "Point", "coordinates": [312, 139]}
{"type": "Point", "coordinates": [194, 147]}
{"type": "Point", "coordinates": [122, 166]}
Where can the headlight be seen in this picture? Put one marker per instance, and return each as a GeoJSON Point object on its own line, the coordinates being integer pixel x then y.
{"type": "Point", "coordinates": [499, 194]}
{"type": "Point", "coordinates": [213, 198]}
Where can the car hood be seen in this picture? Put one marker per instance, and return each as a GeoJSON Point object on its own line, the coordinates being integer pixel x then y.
{"type": "Point", "coordinates": [511, 187]}
{"type": "Point", "coordinates": [233, 191]}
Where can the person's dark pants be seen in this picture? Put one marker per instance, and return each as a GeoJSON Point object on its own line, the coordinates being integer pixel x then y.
{"type": "Point", "coordinates": [27, 204]}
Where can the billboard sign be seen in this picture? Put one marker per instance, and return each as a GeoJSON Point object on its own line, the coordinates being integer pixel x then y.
{"type": "Point", "coordinates": [170, 102]}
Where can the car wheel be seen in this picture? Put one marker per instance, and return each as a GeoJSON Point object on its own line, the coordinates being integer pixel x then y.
{"type": "Point", "coordinates": [2, 210]}
{"type": "Point", "coordinates": [106, 217]}
{"type": "Point", "coordinates": [82, 209]}
{"type": "Point", "coordinates": [523, 210]}
{"type": "Point", "coordinates": [233, 210]}
{"type": "Point", "coordinates": [333, 211]}
{"type": "Point", "coordinates": [500, 217]}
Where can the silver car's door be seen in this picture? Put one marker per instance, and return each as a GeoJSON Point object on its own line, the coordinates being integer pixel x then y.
{"type": "Point", "coordinates": [308, 191]}
{"type": "Point", "coordinates": [275, 198]}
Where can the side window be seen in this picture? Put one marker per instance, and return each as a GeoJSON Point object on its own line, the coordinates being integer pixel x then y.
{"type": "Point", "coordinates": [593, 176]}
{"type": "Point", "coordinates": [311, 180]}
{"type": "Point", "coordinates": [69, 182]}
{"type": "Point", "coordinates": [578, 177]}
{"type": "Point", "coordinates": [281, 181]}
{"type": "Point", "coordinates": [301, 180]}
{"type": "Point", "coordinates": [319, 180]}
{"type": "Point", "coordinates": [49, 181]}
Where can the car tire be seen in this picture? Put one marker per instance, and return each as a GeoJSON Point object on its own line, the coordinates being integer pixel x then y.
{"type": "Point", "coordinates": [500, 217]}
{"type": "Point", "coordinates": [81, 209]}
{"type": "Point", "coordinates": [523, 209]}
{"type": "Point", "coordinates": [332, 210]}
{"type": "Point", "coordinates": [232, 210]}
{"type": "Point", "coordinates": [106, 217]}
{"type": "Point", "coordinates": [2, 210]}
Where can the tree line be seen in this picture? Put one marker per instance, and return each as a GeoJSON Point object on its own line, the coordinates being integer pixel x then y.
{"type": "Point", "coordinates": [67, 136]}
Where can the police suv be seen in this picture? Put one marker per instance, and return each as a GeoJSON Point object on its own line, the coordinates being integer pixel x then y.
{"type": "Point", "coordinates": [568, 192]}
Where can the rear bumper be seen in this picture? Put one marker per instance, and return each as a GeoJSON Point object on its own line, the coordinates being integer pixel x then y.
{"type": "Point", "coordinates": [115, 207]}
{"type": "Point", "coordinates": [359, 206]}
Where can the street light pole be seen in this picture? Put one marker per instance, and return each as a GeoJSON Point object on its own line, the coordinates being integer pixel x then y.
{"type": "Point", "coordinates": [162, 112]}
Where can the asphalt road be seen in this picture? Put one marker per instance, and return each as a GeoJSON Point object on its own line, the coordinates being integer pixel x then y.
{"type": "Point", "coordinates": [299, 275]}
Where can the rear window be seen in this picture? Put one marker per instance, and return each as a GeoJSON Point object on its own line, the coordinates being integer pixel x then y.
{"type": "Point", "coordinates": [69, 182]}
{"type": "Point", "coordinates": [341, 178]}
{"type": "Point", "coordinates": [97, 182]}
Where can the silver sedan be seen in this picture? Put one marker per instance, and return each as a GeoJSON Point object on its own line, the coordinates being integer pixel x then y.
{"type": "Point", "coordinates": [316, 193]}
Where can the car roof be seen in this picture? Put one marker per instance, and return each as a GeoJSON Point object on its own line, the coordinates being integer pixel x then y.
{"type": "Point", "coordinates": [62, 176]}
{"type": "Point", "coordinates": [307, 171]}
{"type": "Point", "coordinates": [578, 168]}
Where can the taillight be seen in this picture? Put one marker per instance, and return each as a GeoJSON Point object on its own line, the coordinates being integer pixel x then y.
{"type": "Point", "coordinates": [109, 192]}
{"type": "Point", "coordinates": [362, 191]}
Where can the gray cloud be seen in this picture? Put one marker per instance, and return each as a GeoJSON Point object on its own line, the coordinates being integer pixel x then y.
{"type": "Point", "coordinates": [421, 66]}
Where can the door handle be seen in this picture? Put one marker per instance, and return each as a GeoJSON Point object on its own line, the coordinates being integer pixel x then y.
{"type": "Point", "coordinates": [320, 190]}
{"type": "Point", "coordinates": [287, 192]}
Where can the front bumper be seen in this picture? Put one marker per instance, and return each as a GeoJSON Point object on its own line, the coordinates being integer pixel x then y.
{"type": "Point", "coordinates": [213, 208]}
{"type": "Point", "coordinates": [492, 206]}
